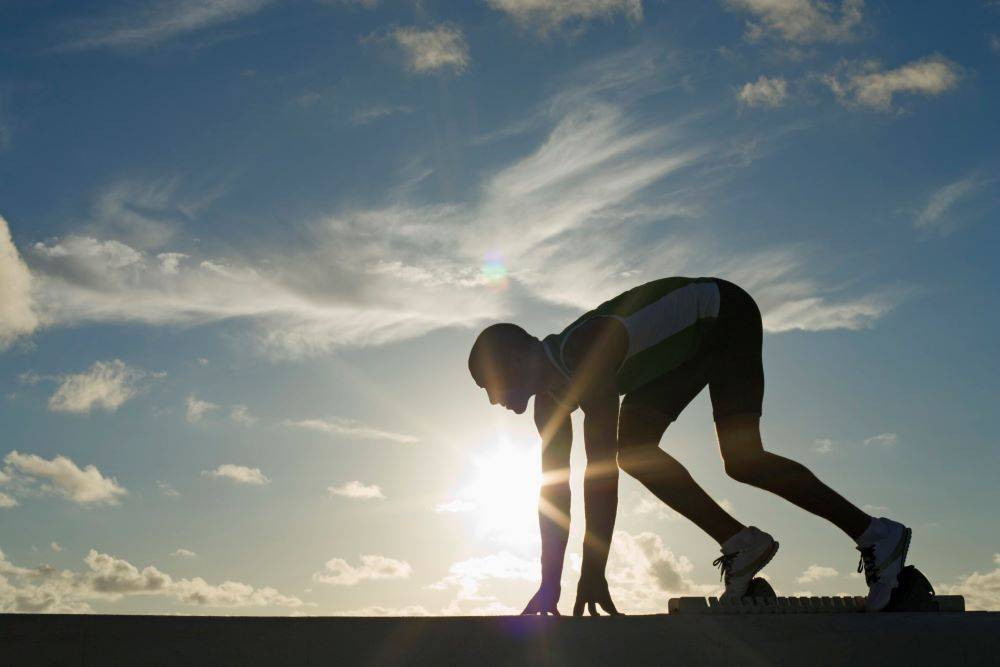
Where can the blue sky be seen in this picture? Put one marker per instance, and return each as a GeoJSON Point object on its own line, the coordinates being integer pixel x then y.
{"type": "Point", "coordinates": [247, 244]}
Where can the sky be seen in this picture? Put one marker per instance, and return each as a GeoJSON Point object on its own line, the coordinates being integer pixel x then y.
{"type": "Point", "coordinates": [245, 246]}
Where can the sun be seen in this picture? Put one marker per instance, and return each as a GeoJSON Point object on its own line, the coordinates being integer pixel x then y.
{"type": "Point", "coordinates": [504, 492]}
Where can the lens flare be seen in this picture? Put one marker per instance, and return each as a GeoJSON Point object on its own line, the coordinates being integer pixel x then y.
{"type": "Point", "coordinates": [494, 271]}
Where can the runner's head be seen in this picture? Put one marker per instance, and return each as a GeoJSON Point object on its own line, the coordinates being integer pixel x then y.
{"type": "Point", "coordinates": [500, 363]}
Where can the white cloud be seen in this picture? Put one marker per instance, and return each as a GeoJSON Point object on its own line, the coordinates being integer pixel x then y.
{"type": "Point", "coordinates": [882, 439]}
{"type": "Point", "coordinates": [110, 579]}
{"type": "Point", "coordinates": [17, 315]}
{"type": "Point", "coordinates": [241, 415]}
{"type": "Point", "coordinates": [801, 21]}
{"type": "Point", "coordinates": [142, 214]}
{"type": "Point", "coordinates": [106, 385]}
{"type": "Point", "coordinates": [295, 310]}
{"type": "Point", "coordinates": [155, 21]}
{"type": "Point", "coordinates": [7, 501]}
{"type": "Point", "coordinates": [167, 490]}
{"type": "Point", "coordinates": [442, 48]}
{"type": "Point", "coordinates": [238, 474]}
{"type": "Point", "coordinates": [339, 572]}
{"type": "Point", "coordinates": [369, 114]}
{"type": "Point", "coordinates": [455, 506]}
{"type": "Point", "coordinates": [935, 214]}
{"type": "Point", "coordinates": [643, 573]}
{"type": "Point", "coordinates": [545, 15]}
{"type": "Point", "coordinates": [868, 85]}
{"type": "Point", "coordinates": [195, 408]}
{"type": "Point", "coordinates": [55, 547]}
{"type": "Point", "coordinates": [823, 446]}
{"type": "Point", "coordinates": [350, 428]}
{"type": "Point", "coordinates": [656, 508]}
{"type": "Point", "coordinates": [468, 576]}
{"type": "Point", "coordinates": [183, 553]}
{"type": "Point", "coordinates": [387, 274]}
{"type": "Point", "coordinates": [768, 92]}
{"type": "Point", "coordinates": [60, 476]}
{"type": "Point", "coordinates": [814, 573]}
{"type": "Point", "coordinates": [357, 491]}
{"type": "Point", "coordinates": [981, 591]}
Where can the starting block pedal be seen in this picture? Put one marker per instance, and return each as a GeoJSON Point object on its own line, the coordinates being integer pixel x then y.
{"type": "Point", "coordinates": [913, 594]}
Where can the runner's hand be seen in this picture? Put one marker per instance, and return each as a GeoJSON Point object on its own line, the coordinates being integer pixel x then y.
{"type": "Point", "coordinates": [592, 591]}
{"type": "Point", "coordinates": [544, 602]}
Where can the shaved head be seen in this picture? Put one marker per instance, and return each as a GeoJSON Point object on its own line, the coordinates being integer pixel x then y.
{"type": "Point", "coordinates": [491, 351]}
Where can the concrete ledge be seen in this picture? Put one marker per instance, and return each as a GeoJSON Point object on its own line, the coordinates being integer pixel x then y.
{"type": "Point", "coordinates": [815, 639]}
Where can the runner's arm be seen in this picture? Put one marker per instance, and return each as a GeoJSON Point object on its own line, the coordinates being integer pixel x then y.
{"type": "Point", "coordinates": [556, 431]}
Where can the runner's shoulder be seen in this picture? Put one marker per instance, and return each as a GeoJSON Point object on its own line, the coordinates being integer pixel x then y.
{"type": "Point", "coordinates": [604, 337]}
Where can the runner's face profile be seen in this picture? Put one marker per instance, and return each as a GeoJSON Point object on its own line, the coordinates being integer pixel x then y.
{"type": "Point", "coordinates": [506, 391]}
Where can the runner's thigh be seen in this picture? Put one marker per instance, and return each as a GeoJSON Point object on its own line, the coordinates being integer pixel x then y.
{"type": "Point", "coordinates": [647, 411]}
{"type": "Point", "coordinates": [736, 375]}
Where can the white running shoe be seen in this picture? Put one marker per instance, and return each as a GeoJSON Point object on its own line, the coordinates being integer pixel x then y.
{"type": "Point", "coordinates": [743, 556]}
{"type": "Point", "coordinates": [883, 548]}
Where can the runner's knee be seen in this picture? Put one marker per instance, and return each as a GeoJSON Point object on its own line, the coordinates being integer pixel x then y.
{"type": "Point", "coordinates": [747, 468]}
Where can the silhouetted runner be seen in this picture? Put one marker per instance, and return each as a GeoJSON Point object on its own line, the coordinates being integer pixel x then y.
{"type": "Point", "coordinates": [659, 344]}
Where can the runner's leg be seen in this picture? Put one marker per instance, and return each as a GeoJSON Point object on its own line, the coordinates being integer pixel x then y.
{"type": "Point", "coordinates": [747, 461]}
{"type": "Point", "coordinates": [736, 383]}
{"type": "Point", "coordinates": [639, 431]}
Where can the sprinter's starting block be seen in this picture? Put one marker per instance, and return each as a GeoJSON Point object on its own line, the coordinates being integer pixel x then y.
{"type": "Point", "coordinates": [913, 594]}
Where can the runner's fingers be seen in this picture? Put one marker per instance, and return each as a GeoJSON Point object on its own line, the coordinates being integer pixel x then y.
{"type": "Point", "coordinates": [592, 607]}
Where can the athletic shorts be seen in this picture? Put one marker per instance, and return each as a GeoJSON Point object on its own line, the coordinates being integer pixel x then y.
{"type": "Point", "coordinates": [729, 363]}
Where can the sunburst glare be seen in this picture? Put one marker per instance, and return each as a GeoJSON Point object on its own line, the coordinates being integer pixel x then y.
{"type": "Point", "coordinates": [504, 493]}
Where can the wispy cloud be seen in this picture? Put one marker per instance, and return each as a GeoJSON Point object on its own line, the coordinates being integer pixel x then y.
{"type": "Point", "coordinates": [801, 21]}
{"type": "Point", "coordinates": [882, 440]}
{"type": "Point", "coordinates": [108, 578]}
{"type": "Point", "coordinates": [183, 553]}
{"type": "Point", "coordinates": [349, 428]}
{"type": "Point", "coordinates": [545, 15]}
{"type": "Point", "coordinates": [815, 573]}
{"type": "Point", "coordinates": [62, 477]}
{"type": "Point", "coordinates": [823, 446]}
{"type": "Point", "coordinates": [237, 473]}
{"type": "Point", "coordinates": [439, 49]}
{"type": "Point", "coordinates": [17, 315]}
{"type": "Point", "coordinates": [467, 577]}
{"type": "Point", "coordinates": [240, 414]}
{"type": "Point", "coordinates": [106, 385]}
{"type": "Point", "coordinates": [167, 489]}
{"type": "Point", "coordinates": [867, 84]}
{"type": "Point", "coordinates": [390, 273]}
{"type": "Point", "coordinates": [654, 507]}
{"type": "Point", "coordinates": [373, 567]}
{"type": "Point", "coordinates": [770, 92]}
{"type": "Point", "coordinates": [357, 491]}
{"type": "Point", "coordinates": [457, 506]}
{"type": "Point", "coordinates": [936, 213]}
{"type": "Point", "coordinates": [153, 22]}
{"type": "Point", "coordinates": [195, 408]}
{"type": "Point", "coordinates": [369, 114]}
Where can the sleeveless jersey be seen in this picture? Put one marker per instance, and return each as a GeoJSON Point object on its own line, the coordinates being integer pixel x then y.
{"type": "Point", "coordinates": [667, 322]}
